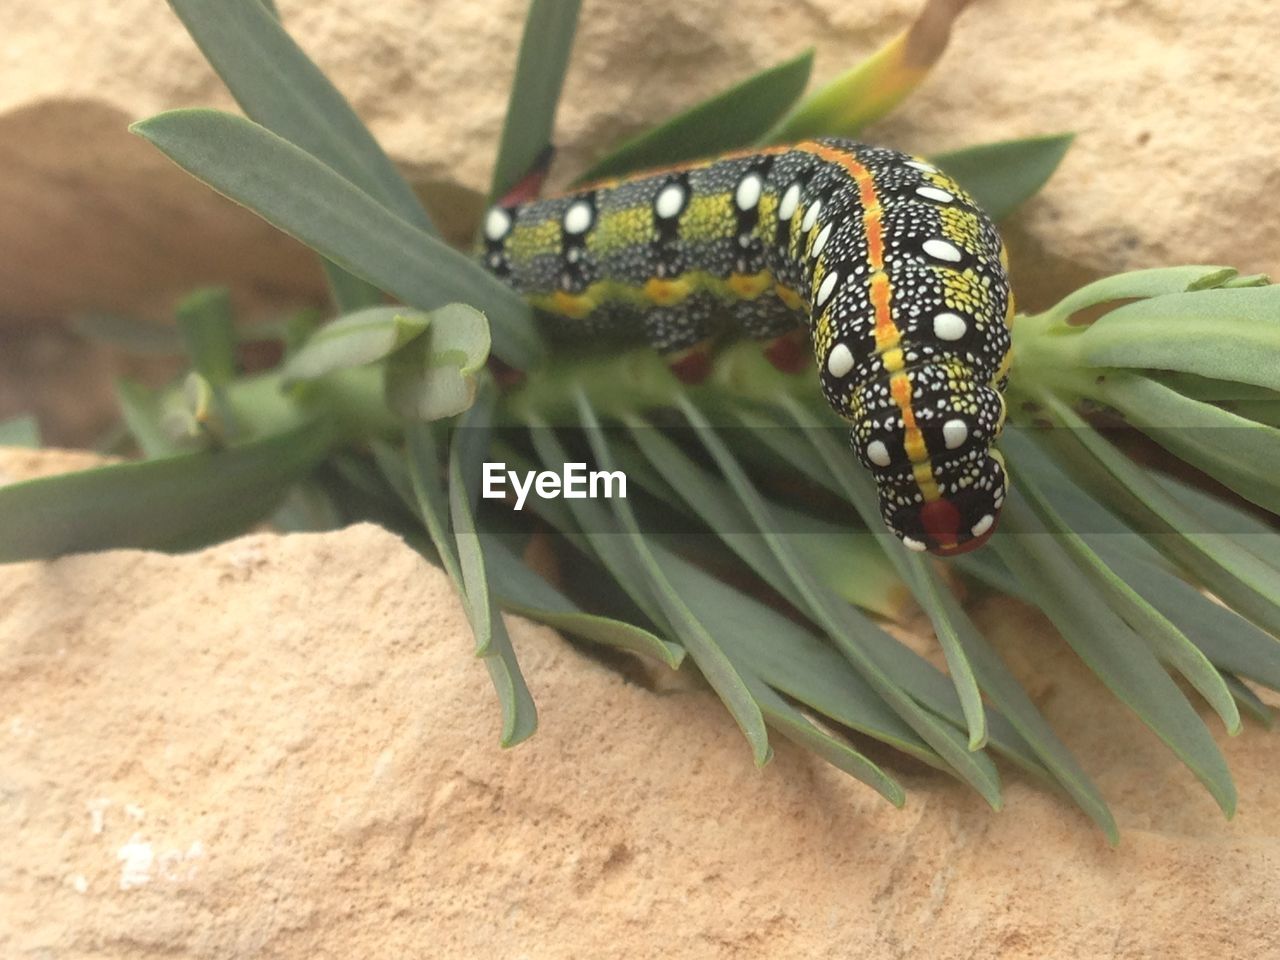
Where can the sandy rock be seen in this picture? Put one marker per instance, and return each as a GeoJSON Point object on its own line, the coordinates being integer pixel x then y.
{"type": "Point", "coordinates": [19, 463]}
{"type": "Point", "coordinates": [1177, 106]}
{"type": "Point", "coordinates": [283, 747]}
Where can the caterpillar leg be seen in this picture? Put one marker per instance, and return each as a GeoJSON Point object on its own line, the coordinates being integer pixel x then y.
{"type": "Point", "coordinates": [505, 375]}
{"type": "Point", "coordinates": [790, 352]}
{"type": "Point", "coordinates": [529, 186]}
{"type": "Point", "coordinates": [692, 365]}
{"type": "Point", "coordinates": [683, 333]}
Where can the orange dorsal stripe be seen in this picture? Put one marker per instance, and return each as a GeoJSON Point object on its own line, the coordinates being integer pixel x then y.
{"type": "Point", "coordinates": [888, 336]}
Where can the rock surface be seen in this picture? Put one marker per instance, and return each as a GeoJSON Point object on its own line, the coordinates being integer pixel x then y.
{"type": "Point", "coordinates": [282, 747]}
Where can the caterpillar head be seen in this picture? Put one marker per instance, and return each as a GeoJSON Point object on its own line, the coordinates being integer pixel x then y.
{"type": "Point", "coordinates": [962, 518]}
{"type": "Point", "coordinates": [941, 484]}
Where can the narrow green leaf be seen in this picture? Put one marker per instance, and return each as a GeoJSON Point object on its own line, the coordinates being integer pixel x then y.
{"type": "Point", "coordinates": [1000, 176]}
{"type": "Point", "coordinates": [426, 474]}
{"type": "Point", "coordinates": [1244, 528]}
{"type": "Point", "coordinates": [519, 712]}
{"type": "Point", "coordinates": [468, 446]}
{"type": "Point", "coordinates": [794, 661]}
{"type": "Point", "coordinates": [792, 724]}
{"type": "Point", "coordinates": [857, 486]}
{"type": "Point", "coordinates": [531, 112]}
{"type": "Point", "coordinates": [145, 415]}
{"type": "Point", "coordinates": [1229, 640]}
{"type": "Point", "coordinates": [1227, 334]}
{"type": "Point", "coordinates": [355, 340]}
{"type": "Point", "coordinates": [1239, 577]}
{"type": "Point", "coordinates": [878, 84]}
{"type": "Point", "coordinates": [1167, 642]}
{"type": "Point", "coordinates": [834, 618]}
{"type": "Point", "coordinates": [306, 199]}
{"type": "Point", "coordinates": [468, 443]}
{"type": "Point", "coordinates": [1108, 646]}
{"type": "Point", "coordinates": [721, 508]}
{"type": "Point", "coordinates": [207, 325]}
{"type": "Point", "coordinates": [464, 563]}
{"type": "Point", "coordinates": [672, 604]}
{"type": "Point", "coordinates": [279, 87]}
{"type": "Point", "coordinates": [177, 503]}
{"type": "Point", "coordinates": [1250, 702]}
{"type": "Point", "coordinates": [21, 431]}
{"type": "Point", "coordinates": [1137, 285]}
{"type": "Point", "coordinates": [731, 120]}
{"type": "Point", "coordinates": [436, 375]}
{"type": "Point", "coordinates": [1019, 723]}
{"type": "Point", "coordinates": [523, 591]}
{"type": "Point", "coordinates": [1011, 699]}
{"type": "Point", "coordinates": [1236, 452]}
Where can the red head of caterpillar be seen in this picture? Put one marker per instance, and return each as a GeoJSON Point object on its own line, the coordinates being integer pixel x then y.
{"type": "Point", "coordinates": [897, 274]}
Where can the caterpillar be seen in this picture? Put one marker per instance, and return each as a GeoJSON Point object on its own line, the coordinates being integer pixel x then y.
{"type": "Point", "coordinates": [898, 277]}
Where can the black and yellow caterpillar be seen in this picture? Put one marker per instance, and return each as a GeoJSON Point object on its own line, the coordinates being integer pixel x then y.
{"type": "Point", "coordinates": [900, 279]}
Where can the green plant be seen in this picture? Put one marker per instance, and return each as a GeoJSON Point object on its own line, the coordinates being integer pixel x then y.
{"type": "Point", "coordinates": [387, 413]}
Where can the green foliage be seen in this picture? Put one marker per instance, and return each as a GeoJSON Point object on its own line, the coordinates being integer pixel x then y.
{"type": "Point", "coordinates": [531, 111]}
{"type": "Point", "coordinates": [731, 120]}
{"type": "Point", "coordinates": [874, 87]}
{"type": "Point", "coordinates": [385, 413]}
{"type": "Point", "coordinates": [281, 182]}
{"type": "Point", "coordinates": [1000, 176]}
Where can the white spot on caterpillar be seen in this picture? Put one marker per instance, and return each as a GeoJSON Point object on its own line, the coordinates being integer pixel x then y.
{"type": "Point", "coordinates": [821, 241]}
{"type": "Point", "coordinates": [828, 286]}
{"type": "Point", "coordinates": [790, 200]}
{"type": "Point", "coordinates": [921, 165]}
{"type": "Point", "coordinates": [934, 193]}
{"type": "Point", "coordinates": [748, 194]}
{"type": "Point", "coordinates": [942, 250]}
{"type": "Point", "coordinates": [669, 201]}
{"type": "Point", "coordinates": [811, 216]}
{"type": "Point", "coordinates": [955, 433]}
{"type": "Point", "coordinates": [840, 362]}
{"type": "Point", "coordinates": [878, 453]}
{"type": "Point", "coordinates": [496, 224]}
{"type": "Point", "coordinates": [577, 219]}
{"type": "Point", "coordinates": [983, 525]}
{"type": "Point", "coordinates": [913, 544]}
{"type": "Point", "coordinates": [949, 326]}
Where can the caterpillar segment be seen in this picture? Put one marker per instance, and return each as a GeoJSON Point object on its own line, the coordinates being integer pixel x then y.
{"type": "Point", "coordinates": [880, 260]}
